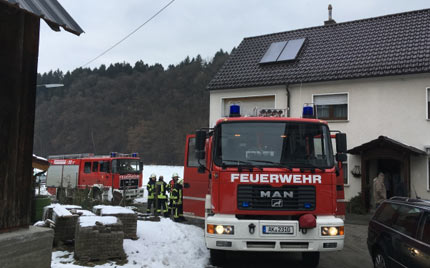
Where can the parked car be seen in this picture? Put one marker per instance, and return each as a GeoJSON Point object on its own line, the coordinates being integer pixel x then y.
{"type": "Point", "coordinates": [399, 233]}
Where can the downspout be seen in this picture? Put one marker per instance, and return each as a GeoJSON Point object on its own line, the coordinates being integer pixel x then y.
{"type": "Point", "coordinates": [288, 100]}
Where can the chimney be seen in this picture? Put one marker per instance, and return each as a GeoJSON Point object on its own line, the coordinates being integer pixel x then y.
{"type": "Point", "coordinates": [330, 19]}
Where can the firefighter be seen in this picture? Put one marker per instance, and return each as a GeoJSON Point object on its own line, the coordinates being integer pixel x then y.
{"type": "Point", "coordinates": [161, 189]}
{"type": "Point", "coordinates": [170, 189]}
{"type": "Point", "coordinates": [176, 199]}
{"type": "Point", "coordinates": [181, 200]}
{"type": "Point", "coordinates": [151, 193]}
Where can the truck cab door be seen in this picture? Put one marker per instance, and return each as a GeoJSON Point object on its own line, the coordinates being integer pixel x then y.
{"type": "Point", "coordinates": [340, 180]}
{"type": "Point", "coordinates": [195, 184]}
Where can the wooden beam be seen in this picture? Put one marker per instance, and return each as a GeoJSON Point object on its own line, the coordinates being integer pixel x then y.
{"type": "Point", "coordinates": [19, 39]}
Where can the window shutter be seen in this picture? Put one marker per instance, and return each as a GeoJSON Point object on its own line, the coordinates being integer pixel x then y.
{"type": "Point", "coordinates": [334, 99]}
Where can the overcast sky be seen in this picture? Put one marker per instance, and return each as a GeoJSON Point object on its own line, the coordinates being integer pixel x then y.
{"type": "Point", "coordinates": [188, 27]}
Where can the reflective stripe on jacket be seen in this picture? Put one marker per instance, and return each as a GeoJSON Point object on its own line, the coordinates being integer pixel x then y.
{"type": "Point", "coordinates": [161, 188]}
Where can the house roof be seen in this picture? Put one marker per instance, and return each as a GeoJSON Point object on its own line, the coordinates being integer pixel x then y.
{"type": "Point", "coordinates": [51, 11]}
{"type": "Point", "coordinates": [384, 142]}
{"type": "Point", "coordinates": [381, 46]}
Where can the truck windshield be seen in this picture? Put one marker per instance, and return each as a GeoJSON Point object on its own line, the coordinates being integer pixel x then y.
{"type": "Point", "coordinates": [126, 166]}
{"type": "Point", "coordinates": [280, 144]}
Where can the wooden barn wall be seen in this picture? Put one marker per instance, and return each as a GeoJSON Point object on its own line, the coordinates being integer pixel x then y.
{"type": "Point", "coordinates": [19, 42]}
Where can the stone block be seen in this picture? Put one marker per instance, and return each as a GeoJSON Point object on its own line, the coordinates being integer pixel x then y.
{"type": "Point", "coordinates": [29, 247]}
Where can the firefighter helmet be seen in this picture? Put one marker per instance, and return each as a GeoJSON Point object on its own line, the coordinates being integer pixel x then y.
{"type": "Point", "coordinates": [153, 176]}
{"type": "Point", "coordinates": [175, 175]}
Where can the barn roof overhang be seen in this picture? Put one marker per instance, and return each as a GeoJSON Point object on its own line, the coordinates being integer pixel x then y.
{"type": "Point", "coordinates": [49, 10]}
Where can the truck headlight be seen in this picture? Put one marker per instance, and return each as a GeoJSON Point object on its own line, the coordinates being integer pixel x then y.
{"type": "Point", "coordinates": [220, 229]}
{"type": "Point", "coordinates": [332, 230]}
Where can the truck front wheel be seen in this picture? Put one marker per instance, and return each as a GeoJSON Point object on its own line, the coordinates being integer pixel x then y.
{"type": "Point", "coordinates": [217, 257]}
{"type": "Point", "coordinates": [311, 259]}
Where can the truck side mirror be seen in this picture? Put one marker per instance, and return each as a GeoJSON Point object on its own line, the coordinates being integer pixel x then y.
{"type": "Point", "coordinates": [200, 144]}
{"type": "Point", "coordinates": [341, 157]}
{"type": "Point", "coordinates": [341, 143]}
{"type": "Point", "coordinates": [140, 166]}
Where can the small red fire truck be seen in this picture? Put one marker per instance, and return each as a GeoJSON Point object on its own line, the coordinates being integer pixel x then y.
{"type": "Point", "coordinates": [97, 173]}
{"type": "Point", "coordinates": [266, 183]}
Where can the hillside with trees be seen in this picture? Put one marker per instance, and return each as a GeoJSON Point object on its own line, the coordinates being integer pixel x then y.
{"type": "Point", "coordinates": [124, 108]}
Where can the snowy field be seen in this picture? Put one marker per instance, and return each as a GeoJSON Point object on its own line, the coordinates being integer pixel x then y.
{"type": "Point", "coordinates": [165, 171]}
{"type": "Point", "coordinates": [160, 244]}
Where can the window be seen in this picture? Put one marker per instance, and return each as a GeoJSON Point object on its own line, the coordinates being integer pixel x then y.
{"type": "Point", "coordinates": [192, 160]}
{"type": "Point", "coordinates": [425, 235]}
{"type": "Point", "coordinates": [95, 166]}
{"type": "Point", "coordinates": [276, 144]}
{"type": "Point", "coordinates": [248, 104]}
{"type": "Point", "coordinates": [407, 221]}
{"type": "Point", "coordinates": [428, 103]}
{"type": "Point", "coordinates": [104, 166]}
{"type": "Point", "coordinates": [428, 174]}
{"type": "Point", "coordinates": [332, 106]}
{"type": "Point", "coordinates": [386, 214]}
{"type": "Point", "coordinates": [87, 167]}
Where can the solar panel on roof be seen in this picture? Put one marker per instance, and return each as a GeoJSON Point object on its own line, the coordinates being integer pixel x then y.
{"type": "Point", "coordinates": [291, 50]}
{"type": "Point", "coordinates": [273, 52]}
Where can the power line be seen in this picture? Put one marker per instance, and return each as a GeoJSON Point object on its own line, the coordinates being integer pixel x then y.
{"type": "Point", "coordinates": [127, 36]}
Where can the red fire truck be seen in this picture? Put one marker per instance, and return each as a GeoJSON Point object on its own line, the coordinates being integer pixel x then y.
{"type": "Point", "coordinates": [266, 183]}
{"type": "Point", "coordinates": [97, 173]}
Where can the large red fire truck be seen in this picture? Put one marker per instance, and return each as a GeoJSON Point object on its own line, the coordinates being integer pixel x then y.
{"type": "Point", "coordinates": [266, 183]}
{"type": "Point", "coordinates": [97, 173]}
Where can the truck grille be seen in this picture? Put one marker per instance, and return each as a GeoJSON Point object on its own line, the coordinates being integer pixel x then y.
{"type": "Point", "coordinates": [130, 184]}
{"type": "Point", "coordinates": [266, 197]}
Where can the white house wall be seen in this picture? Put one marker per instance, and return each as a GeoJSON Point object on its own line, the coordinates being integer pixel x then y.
{"type": "Point", "coordinates": [390, 106]}
{"type": "Point", "coordinates": [393, 107]}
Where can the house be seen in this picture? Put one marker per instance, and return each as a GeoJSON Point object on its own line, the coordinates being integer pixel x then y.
{"type": "Point", "coordinates": [369, 78]}
{"type": "Point", "coordinates": [19, 39]}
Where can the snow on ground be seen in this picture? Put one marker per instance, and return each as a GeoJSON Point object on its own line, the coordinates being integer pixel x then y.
{"type": "Point", "coordinates": [165, 171]}
{"type": "Point", "coordinates": [160, 244]}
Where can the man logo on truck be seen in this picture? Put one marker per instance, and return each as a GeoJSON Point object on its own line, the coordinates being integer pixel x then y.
{"type": "Point", "coordinates": [277, 203]}
{"type": "Point", "coordinates": [277, 194]}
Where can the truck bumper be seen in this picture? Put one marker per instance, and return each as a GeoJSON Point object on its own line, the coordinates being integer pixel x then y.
{"type": "Point", "coordinates": [133, 193]}
{"type": "Point", "coordinates": [244, 240]}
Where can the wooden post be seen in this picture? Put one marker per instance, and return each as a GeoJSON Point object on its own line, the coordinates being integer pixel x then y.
{"type": "Point", "coordinates": [19, 39]}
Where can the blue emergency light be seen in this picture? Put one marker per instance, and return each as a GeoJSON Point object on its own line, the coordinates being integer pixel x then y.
{"type": "Point", "coordinates": [113, 154]}
{"type": "Point", "coordinates": [245, 204]}
{"type": "Point", "coordinates": [308, 111]}
{"type": "Point", "coordinates": [308, 205]}
{"type": "Point", "coordinates": [134, 155]}
{"type": "Point", "coordinates": [234, 110]}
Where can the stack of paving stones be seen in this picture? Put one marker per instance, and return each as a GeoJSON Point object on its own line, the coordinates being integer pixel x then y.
{"type": "Point", "coordinates": [127, 216]}
{"type": "Point", "coordinates": [65, 222]}
{"type": "Point", "coordinates": [99, 239]}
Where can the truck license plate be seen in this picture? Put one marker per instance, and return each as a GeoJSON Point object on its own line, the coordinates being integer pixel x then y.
{"type": "Point", "coordinates": [278, 229]}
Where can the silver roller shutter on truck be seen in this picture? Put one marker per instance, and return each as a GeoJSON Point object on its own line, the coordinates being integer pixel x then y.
{"type": "Point", "coordinates": [62, 176]}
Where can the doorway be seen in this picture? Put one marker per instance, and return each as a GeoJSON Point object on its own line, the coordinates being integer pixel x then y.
{"type": "Point", "coordinates": [394, 181]}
